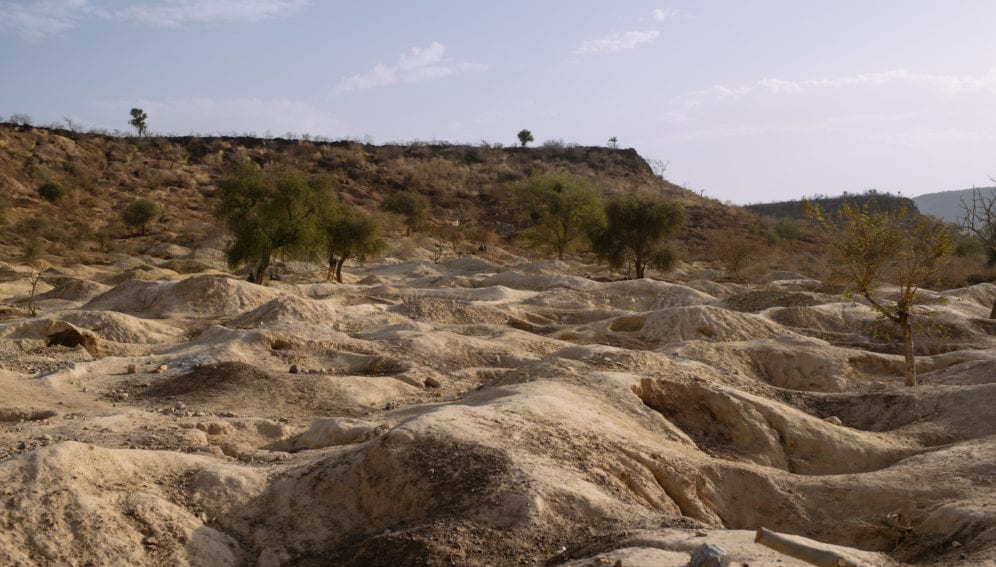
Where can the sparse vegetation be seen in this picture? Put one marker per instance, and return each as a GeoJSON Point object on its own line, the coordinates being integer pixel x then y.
{"type": "Point", "coordinates": [868, 247]}
{"type": "Point", "coordinates": [560, 209]}
{"type": "Point", "coordinates": [413, 206]}
{"type": "Point", "coordinates": [525, 136]}
{"type": "Point", "coordinates": [51, 191]}
{"type": "Point", "coordinates": [138, 120]}
{"type": "Point", "coordinates": [979, 219]}
{"type": "Point", "coordinates": [351, 234]}
{"type": "Point", "coordinates": [272, 212]}
{"type": "Point", "coordinates": [636, 232]}
{"type": "Point", "coordinates": [140, 212]}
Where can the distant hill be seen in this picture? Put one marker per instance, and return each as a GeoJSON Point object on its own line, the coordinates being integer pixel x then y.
{"type": "Point", "coordinates": [946, 205]}
{"type": "Point", "coordinates": [794, 209]}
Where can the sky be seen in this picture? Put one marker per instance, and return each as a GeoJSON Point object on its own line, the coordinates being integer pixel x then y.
{"type": "Point", "coordinates": [745, 102]}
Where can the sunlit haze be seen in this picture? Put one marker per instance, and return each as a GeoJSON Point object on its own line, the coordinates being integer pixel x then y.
{"type": "Point", "coordinates": [744, 101]}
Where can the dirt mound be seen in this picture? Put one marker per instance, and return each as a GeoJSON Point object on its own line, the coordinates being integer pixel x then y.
{"type": "Point", "coordinates": [74, 290]}
{"type": "Point", "coordinates": [672, 326]}
{"type": "Point", "coordinates": [757, 301]}
{"type": "Point", "coordinates": [450, 311]}
{"type": "Point", "coordinates": [202, 296]}
{"type": "Point", "coordinates": [121, 328]}
{"type": "Point", "coordinates": [286, 309]}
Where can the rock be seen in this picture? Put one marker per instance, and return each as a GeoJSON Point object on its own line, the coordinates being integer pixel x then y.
{"type": "Point", "coordinates": [121, 396]}
{"type": "Point", "coordinates": [709, 555]}
{"type": "Point", "coordinates": [47, 437]}
{"type": "Point", "coordinates": [293, 369]}
{"type": "Point", "coordinates": [132, 369]}
{"type": "Point", "coordinates": [180, 405]}
{"type": "Point", "coordinates": [432, 382]}
{"type": "Point", "coordinates": [160, 369]}
{"type": "Point", "coordinates": [834, 420]}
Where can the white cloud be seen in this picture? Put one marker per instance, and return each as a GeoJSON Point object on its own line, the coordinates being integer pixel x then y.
{"type": "Point", "coordinates": [616, 42]}
{"type": "Point", "coordinates": [211, 116]}
{"type": "Point", "coordinates": [419, 64]}
{"type": "Point", "coordinates": [35, 20]}
{"type": "Point", "coordinates": [950, 85]}
{"type": "Point", "coordinates": [179, 12]}
{"type": "Point", "coordinates": [661, 14]}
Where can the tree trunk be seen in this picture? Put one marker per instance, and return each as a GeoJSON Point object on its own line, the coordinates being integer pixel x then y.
{"type": "Point", "coordinates": [260, 275]}
{"type": "Point", "coordinates": [331, 271]}
{"type": "Point", "coordinates": [910, 369]}
{"type": "Point", "coordinates": [992, 314]}
{"type": "Point", "coordinates": [640, 267]}
{"type": "Point", "coordinates": [338, 269]}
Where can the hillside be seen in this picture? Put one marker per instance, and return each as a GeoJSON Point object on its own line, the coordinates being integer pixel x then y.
{"type": "Point", "coordinates": [794, 209]}
{"type": "Point", "coordinates": [946, 205]}
{"type": "Point", "coordinates": [466, 185]}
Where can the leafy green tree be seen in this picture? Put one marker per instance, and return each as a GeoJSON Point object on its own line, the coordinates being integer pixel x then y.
{"type": "Point", "coordinates": [140, 212]}
{"type": "Point", "coordinates": [636, 232]}
{"type": "Point", "coordinates": [138, 118]}
{"type": "Point", "coordinates": [525, 136]}
{"type": "Point", "coordinates": [561, 208]}
{"type": "Point", "coordinates": [351, 234]}
{"type": "Point", "coordinates": [51, 191]}
{"type": "Point", "coordinates": [413, 206]}
{"type": "Point", "coordinates": [868, 246]}
{"type": "Point", "coordinates": [272, 212]}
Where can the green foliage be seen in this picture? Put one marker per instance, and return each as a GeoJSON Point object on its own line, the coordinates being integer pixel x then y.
{"type": "Point", "coordinates": [636, 231]}
{"type": "Point", "coordinates": [413, 206]}
{"type": "Point", "coordinates": [271, 212]}
{"type": "Point", "coordinates": [51, 191]}
{"type": "Point", "coordinates": [561, 208]}
{"type": "Point", "coordinates": [138, 118]}
{"type": "Point", "coordinates": [140, 212]}
{"type": "Point", "coordinates": [525, 136]}
{"type": "Point", "coordinates": [351, 234]}
{"type": "Point", "coordinates": [868, 246]}
{"type": "Point", "coordinates": [788, 228]}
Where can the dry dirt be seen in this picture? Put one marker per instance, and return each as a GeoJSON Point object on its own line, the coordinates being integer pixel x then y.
{"type": "Point", "coordinates": [467, 413]}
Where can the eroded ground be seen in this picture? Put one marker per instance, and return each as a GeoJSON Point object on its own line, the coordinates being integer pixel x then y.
{"type": "Point", "coordinates": [479, 413]}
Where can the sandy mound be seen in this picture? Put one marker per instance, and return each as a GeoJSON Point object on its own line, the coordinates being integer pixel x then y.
{"type": "Point", "coordinates": [672, 326]}
{"type": "Point", "coordinates": [74, 290]}
{"type": "Point", "coordinates": [203, 296]}
{"type": "Point", "coordinates": [121, 328]}
{"type": "Point", "coordinates": [286, 309]}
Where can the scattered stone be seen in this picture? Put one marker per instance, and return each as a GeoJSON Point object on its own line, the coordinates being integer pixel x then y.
{"type": "Point", "coordinates": [432, 382]}
{"type": "Point", "coordinates": [160, 369]}
{"type": "Point", "coordinates": [293, 369]}
{"type": "Point", "coordinates": [956, 544]}
{"type": "Point", "coordinates": [132, 369]}
{"type": "Point", "coordinates": [47, 437]}
{"type": "Point", "coordinates": [834, 420]}
{"type": "Point", "coordinates": [121, 396]}
{"type": "Point", "coordinates": [709, 555]}
{"type": "Point", "coordinates": [180, 405]}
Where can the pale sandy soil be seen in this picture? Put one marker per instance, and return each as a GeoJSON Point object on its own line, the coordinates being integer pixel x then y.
{"type": "Point", "coordinates": [470, 413]}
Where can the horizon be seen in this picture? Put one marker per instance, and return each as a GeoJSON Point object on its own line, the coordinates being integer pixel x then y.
{"type": "Point", "coordinates": [746, 104]}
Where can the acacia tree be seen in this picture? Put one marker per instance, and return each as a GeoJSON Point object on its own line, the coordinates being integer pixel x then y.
{"type": "Point", "coordinates": [140, 212]}
{"type": "Point", "coordinates": [351, 234]}
{"type": "Point", "coordinates": [138, 118]}
{"type": "Point", "coordinates": [636, 232]}
{"type": "Point", "coordinates": [413, 206]}
{"type": "Point", "coordinates": [979, 218]}
{"type": "Point", "coordinates": [525, 136]}
{"type": "Point", "coordinates": [868, 246]}
{"type": "Point", "coordinates": [272, 212]}
{"type": "Point", "coordinates": [562, 210]}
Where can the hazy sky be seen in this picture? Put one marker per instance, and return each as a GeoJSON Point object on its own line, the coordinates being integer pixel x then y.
{"type": "Point", "coordinates": [746, 101]}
